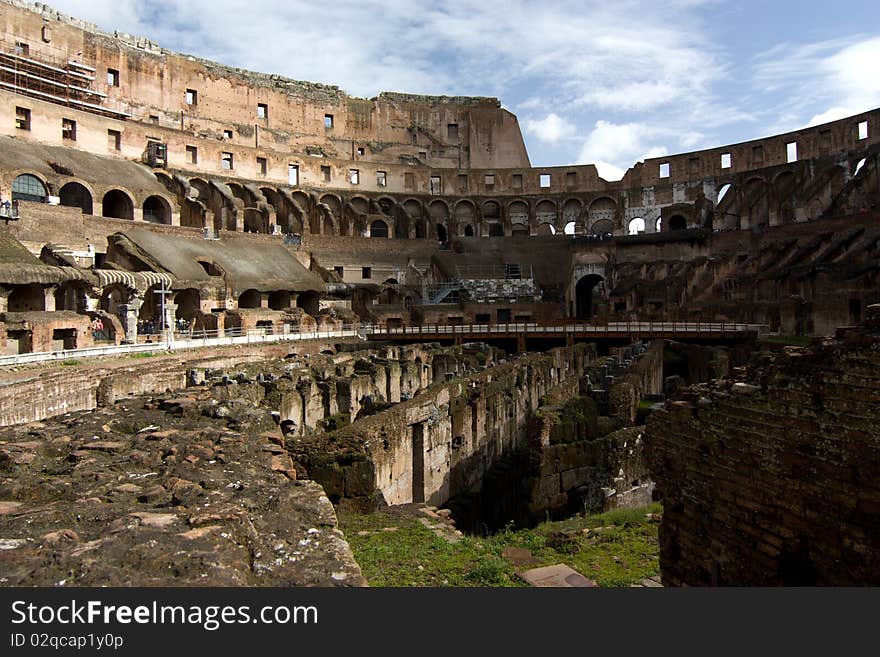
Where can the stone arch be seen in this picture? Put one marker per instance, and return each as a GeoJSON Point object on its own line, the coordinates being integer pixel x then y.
{"type": "Point", "coordinates": [571, 213]}
{"type": "Point", "coordinates": [386, 205]}
{"type": "Point", "coordinates": [518, 216]}
{"type": "Point", "coordinates": [465, 216]}
{"type": "Point", "coordinates": [118, 204]}
{"type": "Point", "coordinates": [249, 299]}
{"type": "Point", "coordinates": [585, 295]}
{"type": "Point", "coordinates": [115, 295]}
{"type": "Point", "coordinates": [360, 205]}
{"type": "Point", "coordinates": [755, 207]}
{"type": "Point", "coordinates": [75, 194]}
{"type": "Point", "coordinates": [438, 211]}
{"type": "Point", "coordinates": [636, 226]}
{"type": "Point", "coordinates": [188, 304]}
{"type": "Point", "coordinates": [545, 213]}
{"type": "Point", "coordinates": [157, 210]}
{"type": "Point", "coordinates": [379, 229]}
{"type": "Point", "coordinates": [415, 211]}
{"type": "Point", "coordinates": [30, 187]}
{"type": "Point", "coordinates": [604, 210]}
{"type": "Point", "coordinates": [545, 228]}
{"type": "Point", "coordinates": [330, 216]}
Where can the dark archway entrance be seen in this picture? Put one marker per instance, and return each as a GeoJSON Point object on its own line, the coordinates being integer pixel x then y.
{"type": "Point", "coordinates": [584, 293]}
{"type": "Point", "coordinates": [678, 223]}
{"type": "Point", "coordinates": [74, 195]}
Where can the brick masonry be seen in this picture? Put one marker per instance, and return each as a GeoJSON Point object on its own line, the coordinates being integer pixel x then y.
{"type": "Point", "coordinates": [775, 481]}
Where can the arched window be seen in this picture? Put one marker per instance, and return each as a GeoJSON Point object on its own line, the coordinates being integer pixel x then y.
{"type": "Point", "coordinates": [117, 204]}
{"type": "Point", "coordinates": [75, 195]}
{"type": "Point", "coordinates": [378, 229]}
{"type": "Point", "coordinates": [156, 210]}
{"type": "Point", "coordinates": [29, 188]}
{"type": "Point", "coordinates": [636, 226]}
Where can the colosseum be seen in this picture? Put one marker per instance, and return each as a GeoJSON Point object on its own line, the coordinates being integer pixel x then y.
{"type": "Point", "coordinates": [211, 276]}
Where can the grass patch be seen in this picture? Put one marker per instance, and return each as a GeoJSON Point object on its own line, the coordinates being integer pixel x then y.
{"type": "Point", "coordinates": [394, 549]}
{"type": "Point", "coordinates": [142, 354]}
{"type": "Point", "coordinates": [71, 362]}
{"type": "Point", "coordinates": [787, 340]}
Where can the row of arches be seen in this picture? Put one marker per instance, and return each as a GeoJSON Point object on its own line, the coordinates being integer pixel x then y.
{"type": "Point", "coordinates": [115, 203]}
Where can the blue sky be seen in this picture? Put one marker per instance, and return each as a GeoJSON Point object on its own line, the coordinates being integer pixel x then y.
{"type": "Point", "coordinates": [608, 83]}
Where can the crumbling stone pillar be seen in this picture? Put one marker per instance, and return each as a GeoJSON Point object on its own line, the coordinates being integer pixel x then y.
{"type": "Point", "coordinates": [4, 299]}
{"type": "Point", "coordinates": [128, 313]}
{"type": "Point", "coordinates": [49, 296]}
{"type": "Point", "coordinates": [170, 312]}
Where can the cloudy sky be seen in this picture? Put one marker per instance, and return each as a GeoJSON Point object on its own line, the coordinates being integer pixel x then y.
{"type": "Point", "coordinates": [592, 81]}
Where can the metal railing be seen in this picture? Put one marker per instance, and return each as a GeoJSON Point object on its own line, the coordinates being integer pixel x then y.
{"type": "Point", "coordinates": [179, 341]}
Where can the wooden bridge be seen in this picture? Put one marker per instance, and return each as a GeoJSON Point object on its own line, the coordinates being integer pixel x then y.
{"type": "Point", "coordinates": [568, 332]}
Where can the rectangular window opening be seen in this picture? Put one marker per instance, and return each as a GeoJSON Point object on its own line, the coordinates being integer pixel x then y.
{"type": "Point", "coordinates": [293, 174]}
{"type": "Point", "coordinates": [354, 176]}
{"type": "Point", "coordinates": [227, 134]}
{"type": "Point", "coordinates": [22, 118]}
{"type": "Point", "coordinates": [409, 181]}
{"type": "Point", "coordinates": [517, 181]}
{"type": "Point", "coordinates": [725, 160]}
{"type": "Point", "coordinates": [112, 77]}
{"type": "Point", "coordinates": [436, 185]}
{"type": "Point", "coordinates": [328, 120]}
{"type": "Point", "coordinates": [366, 272]}
{"type": "Point", "coordinates": [863, 130]}
{"type": "Point", "coordinates": [544, 180]}
{"type": "Point", "coordinates": [192, 97]}
{"type": "Point", "coordinates": [154, 119]}
{"type": "Point", "coordinates": [68, 129]}
{"type": "Point", "coordinates": [114, 140]}
{"type": "Point", "coordinates": [361, 150]}
{"type": "Point", "coordinates": [262, 166]}
{"type": "Point", "coordinates": [571, 179]}
{"type": "Point", "coordinates": [325, 173]}
{"type": "Point", "coordinates": [664, 170]}
{"type": "Point", "coordinates": [226, 161]}
{"type": "Point", "coordinates": [452, 131]}
{"type": "Point", "coordinates": [462, 182]}
{"type": "Point", "coordinates": [757, 153]}
{"type": "Point", "coordinates": [489, 180]}
{"type": "Point", "coordinates": [381, 179]}
{"type": "Point", "coordinates": [791, 152]}
{"type": "Point", "coordinates": [22, 48]}
{"type": "Point", "coordinates": [192, 154]}
{"type": "Point", "coordinates": [262, 111]}
{"type": "Point", "coordinates": [339, 270]}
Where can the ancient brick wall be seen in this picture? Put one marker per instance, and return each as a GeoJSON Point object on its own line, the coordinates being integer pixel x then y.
{"type": "Point", "coordinates": [441, 442]}
{"type": "Point", "coordinates": [775, 481]}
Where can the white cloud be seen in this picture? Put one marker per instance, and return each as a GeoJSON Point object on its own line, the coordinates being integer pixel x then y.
{"type": "Point", "coordinates": [826, 80]}
{"type": "Point", "coordinates": [551, 128]}
{"type": "Point", "coordinates": [615, 147]}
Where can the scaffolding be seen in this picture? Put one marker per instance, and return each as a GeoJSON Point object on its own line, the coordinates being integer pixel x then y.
{"type": "Point", "coordinates": [68, 83]}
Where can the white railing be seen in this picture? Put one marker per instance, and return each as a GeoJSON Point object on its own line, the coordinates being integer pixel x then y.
{"type": "Point", "coordinates": [185, 341]}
